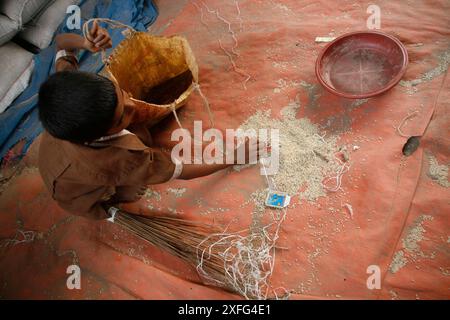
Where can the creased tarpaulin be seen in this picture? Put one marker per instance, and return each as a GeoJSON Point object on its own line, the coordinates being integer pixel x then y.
{"type": "Point", "coordinates": [400, 204]}
{"type": "Point", "coordinates": [20, 120]}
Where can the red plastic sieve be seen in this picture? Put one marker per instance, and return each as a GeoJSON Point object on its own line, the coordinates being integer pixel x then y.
{"type": "Point", "coordinates": [362, 64]}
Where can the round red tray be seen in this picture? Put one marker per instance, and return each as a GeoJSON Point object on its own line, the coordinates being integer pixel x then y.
{"type": "Point", "coordinates": [361, 64]}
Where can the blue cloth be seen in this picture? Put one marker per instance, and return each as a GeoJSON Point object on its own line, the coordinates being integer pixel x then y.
{"type": "Point", "coordinates": [20, 120]}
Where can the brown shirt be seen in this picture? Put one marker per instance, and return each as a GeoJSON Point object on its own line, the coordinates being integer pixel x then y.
{"type": "Point", "coordinates": [81, 178]}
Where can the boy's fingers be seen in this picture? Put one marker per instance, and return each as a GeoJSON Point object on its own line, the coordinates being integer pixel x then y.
{"type": "Point", "coordinates": [91, 33]}
{"type": "Point", "coordinates": [94, 29]}
{"type": "Point", "coordinates": [100, 36]}
{"type": "Point", "coordinates": [262, 147]}
{"type": "Point", "coordinates": [102, 42]}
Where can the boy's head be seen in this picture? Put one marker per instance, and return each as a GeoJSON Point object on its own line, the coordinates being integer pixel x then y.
{"type": "Point", "coordinates": [81, 107]}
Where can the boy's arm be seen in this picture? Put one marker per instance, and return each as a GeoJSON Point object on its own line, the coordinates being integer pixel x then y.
{"type": "Point", "coordinates": [70, 42]}
{"type": "Point", "coordinates": [97, 39]}
{"type": "Point", "coordinates": [192, 171]}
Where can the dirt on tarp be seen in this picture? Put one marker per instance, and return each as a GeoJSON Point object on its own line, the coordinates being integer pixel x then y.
{"type": "Point", "coordinates": [390, 211]}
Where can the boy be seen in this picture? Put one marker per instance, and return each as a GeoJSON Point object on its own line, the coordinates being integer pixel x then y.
{"type": "Point", "coordinates": [91, 155]}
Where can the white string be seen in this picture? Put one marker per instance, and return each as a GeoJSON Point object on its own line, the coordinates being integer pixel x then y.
{"type": "Point", "coordinates": [399, 128]}
{"type": "Point", "coordinates": [270, 182]}
{"type": "Point", "coordinates": [205, 103]}
{"type": "Point", "coordinates": [239, 15]}
{"type": "Point", "coordinates": [338, 178]}
{"type": "Point", "coordinates": [248, 261]}
{"type": "Point", "coordinates": [174, 111]}
{"type": "Point", "coordinates": [233, 35]}
{"type": "Point", "coordinates": [230, 30]}
{"type": "Point", "coordinates": [27, 236]}
{"type": "Point", "coordinates": [113, 23]}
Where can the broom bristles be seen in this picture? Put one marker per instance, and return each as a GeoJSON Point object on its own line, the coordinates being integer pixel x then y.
{"type": "Point", "coordinates": [182, 238]}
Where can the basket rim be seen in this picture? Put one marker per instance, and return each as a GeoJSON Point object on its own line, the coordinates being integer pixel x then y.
{"type": "Point", "coordinates": [177, 101]}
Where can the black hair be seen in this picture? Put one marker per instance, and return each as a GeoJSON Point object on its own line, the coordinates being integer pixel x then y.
{"type": "Point", "coordinates": [77, 106]}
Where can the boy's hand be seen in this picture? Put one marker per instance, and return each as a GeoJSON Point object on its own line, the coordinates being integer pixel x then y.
{"type": "Point", "coordinates": [253, 149]}
{"type": "Point", "coordinates": [97, 39]}
{"type": "Point", "coordinates": [128, 193]}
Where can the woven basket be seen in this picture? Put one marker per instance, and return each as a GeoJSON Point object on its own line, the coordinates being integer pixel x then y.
{"type": "Point", "coordinates": [158, 72]}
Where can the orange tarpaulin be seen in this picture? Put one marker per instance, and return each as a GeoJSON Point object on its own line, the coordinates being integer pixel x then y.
{"type": "Point", "coordinates": [392, 210]}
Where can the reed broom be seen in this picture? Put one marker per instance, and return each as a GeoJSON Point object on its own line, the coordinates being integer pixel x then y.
{"type": "Point", "coordinates": [179, 237]}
